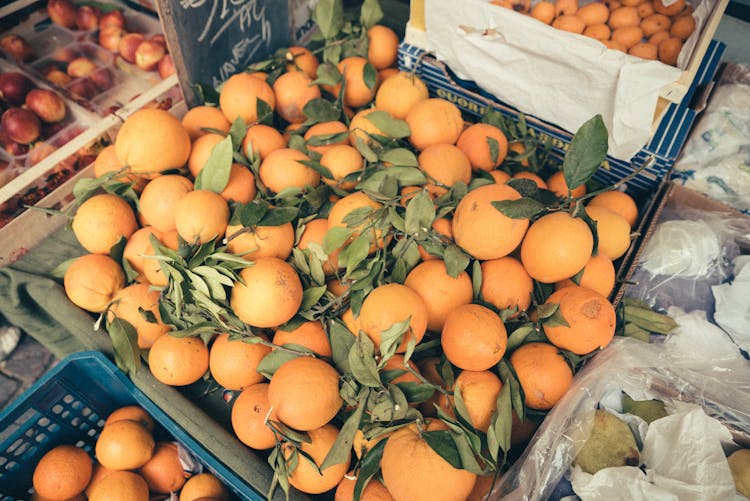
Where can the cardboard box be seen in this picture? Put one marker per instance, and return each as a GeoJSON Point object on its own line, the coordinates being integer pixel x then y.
{"type": "Point", "coordinates": [664, 146]}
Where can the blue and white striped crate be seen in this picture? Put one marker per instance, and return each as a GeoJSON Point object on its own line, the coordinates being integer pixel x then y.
{"type": "Point", "coordinates": [665, 144]}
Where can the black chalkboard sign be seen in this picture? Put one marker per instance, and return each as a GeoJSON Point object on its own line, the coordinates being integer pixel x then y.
{"type": "Point", "coordinates": [210, 40]}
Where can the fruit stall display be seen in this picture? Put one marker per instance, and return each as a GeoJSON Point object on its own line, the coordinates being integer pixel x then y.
{"type": "Point", "coordinates": [390, 299]}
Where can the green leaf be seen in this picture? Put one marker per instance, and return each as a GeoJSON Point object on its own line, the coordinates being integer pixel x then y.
{"type": "Point", "coordinates": [215, 173]}
{"type": "Point", "coordinates": [332, 54]}
{"type": "Point", "coordinates": [279, 216]}
{"type": "Point", "coordinates": [311, 296]}
{"type": "Point", "coordinates": [587, 151]}
{"type": "Point", "coordinates": [556, 320]}
{"type": "Point", "coordinates": [476, 278]}
{"type": "Point", "coordinates": [391, 338]}
{"type": "Point", "coordinates": [509, 379]}
{"type": "Point", "coordinates": [362, 362]}
{"type": "Point", "coordinates": [329, 16]}
{"type": "Point", "coordinates": [442, 442]}
{"type": "Point", "coordinates": [455, 259]}
{"type": "Point", "coordinates": [355, 252]}
{"type": "Point", "coordinates": [370, 77]}
{"type": "Point", "coordinates": [59, 270]}
{"type": "Point", "coordinates": [342, 447]}
{"type": "Point", "coordinates": [370, 13]}
{"type": "Point", "coordinates": [389, 126]}
{"type": "Point", "coordinates": [416, 392]}
{"type": "Point", "coordinates": [400, 157]}
{"type": "Point", "coordinates": [518, 336]}
{"type": "Point", "coordinates": [237, 132]}
{"type": "Point", "coordinates": [321, 110]}
{"type": "Point", "coordinates": [420, 213]}
{"type": "Point", "coordinates": [328, 74]}
{"type": "Point", "coordinates": [272, 361]}
{"type": "Point", "coordinates": [369, 466]}
{"type": "Point", "coordinates": [265, 112]}
{"type": "Point", "coordinates": [125, 344]}
{"type": "Point", "coordinates": [335, 237]}
{"type": "Point", "coordinates": [467, 452]}
{"type": "Point", "coordinates": [341, 344]}
{"type": "Point", "coordinates": [522, 208]}
{"type": "Point", "coordinates": [461, 411]}
{"type": "Point", "coordinates": [318, 167]}
{"type": "Point", "coordinates": [503, 419]}
{"type": "Point", "coordinates": [249, 214]}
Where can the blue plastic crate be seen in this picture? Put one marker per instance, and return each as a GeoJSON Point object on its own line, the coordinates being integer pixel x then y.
{"type": "Point", "coordinates": [69, 405]}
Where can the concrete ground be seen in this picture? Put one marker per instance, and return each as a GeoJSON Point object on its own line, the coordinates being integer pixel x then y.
{"type": "Point", "coordinates": [25, 364]}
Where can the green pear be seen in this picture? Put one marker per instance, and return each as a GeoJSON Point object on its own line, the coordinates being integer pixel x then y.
{"type": "Point", "coordinates": [611, 444]}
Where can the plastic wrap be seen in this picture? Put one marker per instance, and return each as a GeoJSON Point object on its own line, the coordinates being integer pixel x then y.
{"type": "Point", "coordinates": [716, 158]}
{"type": "Point", "coordinates": [644, 371]}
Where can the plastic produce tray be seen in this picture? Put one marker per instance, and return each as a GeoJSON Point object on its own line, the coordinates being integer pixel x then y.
{"type": "Point", "coordinates": [69, 405]}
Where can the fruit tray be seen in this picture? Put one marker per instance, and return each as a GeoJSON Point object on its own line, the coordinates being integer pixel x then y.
{"type": "Point", "coordinates": [87, 65]}
{"type": "Point", "coordinates": [69, 406]}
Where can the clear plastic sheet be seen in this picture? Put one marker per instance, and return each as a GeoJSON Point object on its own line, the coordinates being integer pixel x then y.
{"type": "Point", "coordinates": [644, 371]}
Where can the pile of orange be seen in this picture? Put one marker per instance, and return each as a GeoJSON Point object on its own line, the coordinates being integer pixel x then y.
{"type": "Point", "coordinates": [462, 318]}
{"type": "Point", "coordinates": [648, 29]}
{"type": "Point", "coordinates": [128, 466]}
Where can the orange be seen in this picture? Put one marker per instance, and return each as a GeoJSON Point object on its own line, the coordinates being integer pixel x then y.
{"type": "Point", "coordinates": [357, 93]}
{"type": "Point", "coordinates": [445, 165]}
{"type": "Point", "coordinates": [644, 50]}
{"type": "Point", "coordinates": [204, 117]}
{"type": "Point", "coordinates": [311, 335]}
{"type": "Point", "coordinates": [201, 152]}
{"type": "Point", "coordinates": [178, 361]}
{"type": "Point", "coordinates": [301, 59]}
{"type": "Point", "coordinates": [107, 161]}
{"type": "Point", "coordinates": [132, 304]}
{"type": "Point", "coordinates": [482, 488]}
{"type": "Point", "coordinates": [477, 142]}
{"type": "Point", "coordinates": [440, 292]}
{"type": "Point", "coordinates": [434, 121]}
{"type": "Point", "coordinates": [234, 362]}
{"type": "Point", "coordinates": [556, 184]}
{"type": "Point", "coordinates": [506, 284]}
{"type": "Point", "coordinates": [600, 32]}
{"type": "Point", "coordinates": [628, 36]}
{"type": "Point", "coordinates": [399, 93]}
{"type": "Point", "coordinates": [482, 230]}
{"type": "Point", "coordinates": [131, 413]}
{"type": "Point", "coordinates": [240, 94]}
{"type": "Point", "coordinates": [101, 221]}
{"type": "Point", "coordinates": [669, 50]}
{"type": "Point", "coordinates": [361, 444]}
{"type": "Point", "coordinates": [249, 415]}
{"type": "Point", "coordinates": [350, 322]}
{"type": "Point", "coordinates": [326, 132]}
{"type": "Point", "coordinates": [382, 46]}
{"type": "Point", "coordinates": [683, 27]}
{"type": "Point", "coordinates": [163, 472]}
{"type": "Point", "coordinates": [138, 245]}
{"type": "Point", "coordinates": [201, 216]}
{"type": "Point", "coordinates": [566, 7]}
{"type": "Point", "coordinates": [646, 9]}
{"type": "Point", "coordinates": [63, 472]}
{"type": "Point", "coordinates": [556, 247]}
{"type": "Point", "coordinates": [390, 304]}
{"type": "Point", "coordinates": [140, 142]}
{"type": "Point", "coordinates": [304, 393]}
{"type": "Point", "coordinates": [124, 445]}
{"type": "Point", "coordinates": [361, 127]}
{"type": "Point", "coordinates": [152, 268]}
{"type": "Point", "coordinates": [479, 391]}
{"type": "Point", "coordinates": [349, 203]}
{"type": "Point", "coordinates": [158, 202]}
{"type": "Point", "coordinates": [204, 486]}
{"type": "Point", "coordinates": [619, 202]}
{"type": "Point", "coordinates": [543, 373]}
{"type": "Point", "coordinates": [474, 337]}
{"type": "Point", "coordinates": [499, 176]}
{"type": "Point", "coordinates": [398, 363]}
{"type": "Point", "coordinates": [308, 478]}
{"type": "Point", "coordinates": [293, 90]}
{"type": "Point", "coordinates": [373, 491]}
{"type": "Point", "coordinates": [624, 16]}
{"type": "Point", "coordinates": [593, 13]}
{"type": "Point", "coordinates": [92, 280]}
{"type": "Point", "coordinates": [282, 169]}
{"type": "Point", "coordinates": [569, 22]}
{"type": "Point", "coordinates": [598, 274]}
{"type": "Point", "coordinates": [543, 11]}
{"type": "Point", "coordinates": [591, 319]}
{"type": "Point", "coordinates": [671, 10]}
{"type": "Point", "coordinates": [386, 73]}
{"type": "Point", "coordinates": [120, 486]}
{"type": "Point", "coordinates": [613, 231]}
{"type": "Point", "coordinates": [99, 473]}
{"type": "Point", "coordinates": [240, 185]}
{"type": "Point", "coordinates": [524, 174]}
{"type": "Point", "coordinates": [342, 160]}
{"type": "Point", "coordinates": [269, 295]}
{"type": "Point", "coordinates": [260, 241]}
{"type": "Point", "coordinates": [413, 471]}
{"type": "Point", "coordinates": [654, 24]}
{"type": "Point", "coordinates": [441, 229]}
{"type": "Point", "coordinates": [313, 233]}
{"type": "Point", "coordinates": [260, 140]}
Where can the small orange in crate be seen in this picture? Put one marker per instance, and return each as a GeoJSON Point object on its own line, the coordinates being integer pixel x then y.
{"type": "Point", "coordinates": [204, 486]}
{"type": "Point", "coordinates": [120, 486]}
{"type": "Point", "coordinates": [543, 373]}
{"type": "Point", "coordinates": [201, 150]}
{"type": "Point", "coordinates": [250, 413]}
{"type": "Point", "coordinates": [445, 165]}
{"type": "Point", "coordinates": [62, 473]}
{"type": "Point", "coordinates": [590, 317]}
{"type": "Point", "coordinates": [556, 184]}
{"type": "Point", "coordinates": [163, 472]}
{"type": "Point", "coordinates": [124, 445]}
{"type": "Point", "coordinates": [132, 413]}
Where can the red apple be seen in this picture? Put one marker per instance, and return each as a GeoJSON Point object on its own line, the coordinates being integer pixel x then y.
{"type": "Point", "coordinates": [87, 17]}
{"type": "Point", "coordinates": [81, 67]}
{"type": "Point", "coordinates": [161, 39]}
{"type": "Point", "coordinates": [128, 45]}
{"type": "Point", "coordinates": [21, 125]}
{"type": "Point", "coordinates": [47, 104]}
{"type": "Point", "coordinates": [83, 89]}
{"type": "Point", "coordinates": [16, 47]}
{"type": "Point", "coordinates": [148, 54]}
{"type": "Point", "coordinates": [103, 79]}
{"type": "Point", "coordinates": [166, 66]}
{"type": "Point", "coordinates": [57, 76]}
{"type": "Point", "coordinates": [64, 55]}
{"type": "Point", "coordinates": [110, 36]}
{"type": "Point", "coordinates": [39, 152]}
{"type": "Point", "coordinates": [14, 86]}
{"type": "Point", "coordinates": [112, 18]}
{"type": "Point", "coordinates": [17, 149]}
{"type": "Point", "coordinates": [62, 12]}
